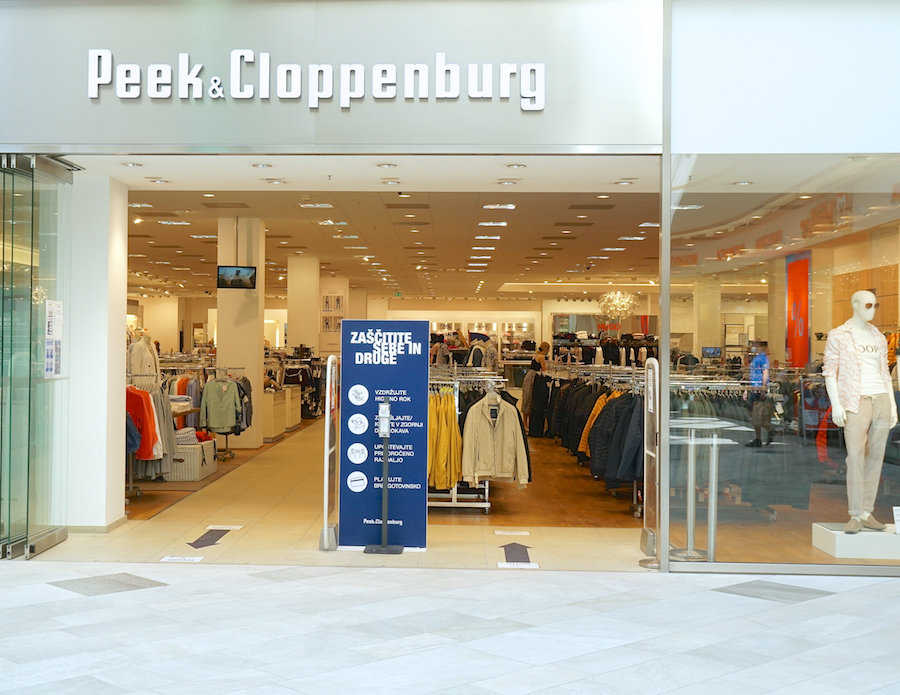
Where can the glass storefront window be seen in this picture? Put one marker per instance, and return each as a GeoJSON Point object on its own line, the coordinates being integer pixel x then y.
{"type": "Point", "coordinates": [768, 255]}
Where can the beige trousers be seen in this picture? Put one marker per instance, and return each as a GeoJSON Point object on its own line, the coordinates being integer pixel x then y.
{"type": "Point", "coordinates": [865, 434]}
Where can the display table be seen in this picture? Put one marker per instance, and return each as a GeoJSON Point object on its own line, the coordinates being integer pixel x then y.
{"type": "Point", "coordinates": [273, 415]}
{"type": "Point", "coordinates": [865, 545]}
{"type": "Point", "coordinates": [293, 407]}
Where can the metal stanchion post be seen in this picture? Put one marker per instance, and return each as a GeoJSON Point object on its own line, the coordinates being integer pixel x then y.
{"type": "Point", "coordinates": [713, 513]}
{"type": "Point", "coordinates": [384, 431]}
{"type": "Point", "coordinates": [689, 553]}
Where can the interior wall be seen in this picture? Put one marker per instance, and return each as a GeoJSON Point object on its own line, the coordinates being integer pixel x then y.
{"type": "Point", "coordinates": [161, 319]}
{"type": "Point", "coordinates": [357, 303]}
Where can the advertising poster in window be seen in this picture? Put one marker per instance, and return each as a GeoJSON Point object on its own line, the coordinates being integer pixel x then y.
{"type": "Point", "coordinates": [384, 362]}
{"type": "Point", "coordinates": [798, 309]}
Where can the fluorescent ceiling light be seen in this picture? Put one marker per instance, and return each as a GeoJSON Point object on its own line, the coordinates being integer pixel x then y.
{"type": "Point", "coordinates": [262, 166]}
{"type": "Point", "coordinates": [480, 258]}
{"type": "Point", "coordinates": [743, 183]}
{"type": "Point", "coordinates": [623, 183]}
{"type": "Point", "coordinates": [487, 237]}
{"type": "Point", "coordinates": [331, 223]}
{"type": "Point", "coordinates": [477, 265]}
{"type": "Point", "coordinates": [474, 270]}
{"type": "Point", "coordinates": [492, 224]}
{"type": "Point", "coordinates": [140, 205]}
{"type": "Point", "coordinates": [180, 268]}
{"type": "Point", "coordinates": [613, 248]}
{"type": "Point", "coordinates": [687, 207]}
{"type": "Point", "coordinates": [649, 224]}
{"type": "Point", "coordinates": [499, 206]}
{"type": "Point", "coordinates": [632, 238]}
{"type": "Point", "coordinates": [203, 236]}
{"type": "Point", "coordinates": [173, 223]}
{"type": "Point", "coordinates": [136, 255]}
{"type": "Point", "coordinates": [316, 205]}
{"type": "Point", "coordinates": [354, 248]}
{"type": "Point", "coordinates": [596, 258]}
{"type": "Point", "coordinates": [484, 248]}
{"type": "Point", "coordinates": [344, 236]}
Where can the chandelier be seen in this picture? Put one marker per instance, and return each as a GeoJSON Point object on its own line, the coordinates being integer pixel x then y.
{"type": "Point", "coordinates": [618, 304]}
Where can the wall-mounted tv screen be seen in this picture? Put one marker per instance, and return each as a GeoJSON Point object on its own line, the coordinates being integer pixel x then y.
{"type": "Point", "coordinates": [241, 277]}
{"type": "Point", "coordinates": [711, 352]}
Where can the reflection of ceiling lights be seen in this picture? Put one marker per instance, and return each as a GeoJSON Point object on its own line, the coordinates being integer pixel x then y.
{"type": "Point", "coordinates": [499, 206]}
{"type": "Point", "coordinates": [172, 223]}
{"type": "Point", "coordinates": [618, 304]}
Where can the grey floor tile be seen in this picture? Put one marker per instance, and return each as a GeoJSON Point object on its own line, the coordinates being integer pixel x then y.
{"type": "Point", "coordinates": [107, 584]}
{"type": "Point", "coordinates": [773, 591]}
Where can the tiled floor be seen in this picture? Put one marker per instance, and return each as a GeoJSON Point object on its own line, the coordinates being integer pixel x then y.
{"type": "Point", "coordinates": [95, 628]}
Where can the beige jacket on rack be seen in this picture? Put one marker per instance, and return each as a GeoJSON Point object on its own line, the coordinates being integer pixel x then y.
{"type": "Point", "coordinates": [494, 450]}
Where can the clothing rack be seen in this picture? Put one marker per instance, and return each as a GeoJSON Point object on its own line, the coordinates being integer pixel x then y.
{"type": "Point", "coordinates": [220, 373]}
{"type": "Point", "coordinates": [471, 498]}
{"type": "Point", "coordinates": [144, 382]}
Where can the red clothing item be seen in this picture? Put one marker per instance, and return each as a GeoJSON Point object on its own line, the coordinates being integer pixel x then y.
{"type": "Point", "coordinates": [139, 405]}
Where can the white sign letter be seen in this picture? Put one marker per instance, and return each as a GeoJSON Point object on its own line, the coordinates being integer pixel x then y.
{"type": "Point", "coordinates": [265, 75]}
{"type": "Point", "coordinates": [409, 81]}
{"type": "Point", "coordinates": [187, 77]}
{"type": "Point", "coordinates": [357, 73]}
{"type": "Point", "coordinates": [284, 88]}
{"type": "Point", "coordinates": [384, 81]}
{"type": "Point", "coordinates": [507, 70]}
{"type": "Point", "coordinates": [239, 91]}
{"type": "Point", "coordinates": [326, 91]}
{"type": "Point", "coordinates": [128, 81]}
{"type": "Point", "coordinates": [99, 70]}
{"type": "Point", "coordinates": [532, 97]}
{"type": "Point", "coordinates": [441, 71]}
{"type": "Point", "coordinates": [487, 78]}
{"type": "Point", "coordinates": [159, 81]}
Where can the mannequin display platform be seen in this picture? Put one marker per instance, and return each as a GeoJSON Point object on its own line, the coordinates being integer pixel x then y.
{"type": "Point", "coordinates": [862, 402]}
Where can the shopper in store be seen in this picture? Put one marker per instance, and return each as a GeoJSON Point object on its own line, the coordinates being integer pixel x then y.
{"type": "Point", "coordinates": [440, 353]}
{"type": "Point", "coordinates": [862, 402]}
{"type": "Point", "coordinates": [538, 365]}
{"type": "Point", "coordinates": [762, 406]}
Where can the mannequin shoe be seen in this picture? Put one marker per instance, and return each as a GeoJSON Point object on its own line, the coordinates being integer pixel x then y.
{"type": "Point", "coordinates": [869, 521]}
{"type": "Point", "coordinates": [854, 525]}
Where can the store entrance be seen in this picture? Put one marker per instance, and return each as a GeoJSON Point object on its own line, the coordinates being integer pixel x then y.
{"type": "Point", "coordinates": [501, 255]}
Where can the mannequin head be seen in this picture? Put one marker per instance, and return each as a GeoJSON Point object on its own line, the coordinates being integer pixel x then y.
{"type": "Point", "coordinates": [864, 305]}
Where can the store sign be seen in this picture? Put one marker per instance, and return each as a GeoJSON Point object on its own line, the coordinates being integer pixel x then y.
{"type": "Point", "coordinates": [251, 75]}
{"type": "Point", "coordinates": [798, 265]}
{"type": "Point", "coordinates": [384, 362]}
{"type": "Point", "coordinates": [268, 76]}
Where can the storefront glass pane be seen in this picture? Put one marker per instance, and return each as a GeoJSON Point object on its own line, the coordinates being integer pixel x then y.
{"type": "Point", "coordinates": [769, 254]}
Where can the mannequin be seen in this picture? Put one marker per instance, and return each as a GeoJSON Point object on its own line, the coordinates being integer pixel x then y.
{"type": "Point", "coordinates": [862, 402]}
{"type": "Point", "coordinates": [142, 357]}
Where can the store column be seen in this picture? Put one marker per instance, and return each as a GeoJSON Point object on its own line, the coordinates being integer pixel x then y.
{"type": "Point", "coordinates": [777, 334]}
{"type": "Point", "coordinates": [241, 315]}
{"type": "Point", "coordinates": [303, 302]}
{"type": "Point", "coordinates": [707, 324]}
{"type": "Point", "coordinates": [97, 354]}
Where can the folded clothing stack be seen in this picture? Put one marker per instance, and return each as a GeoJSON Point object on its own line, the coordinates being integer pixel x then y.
{"type": "Point", "coordinates": [186, 435]}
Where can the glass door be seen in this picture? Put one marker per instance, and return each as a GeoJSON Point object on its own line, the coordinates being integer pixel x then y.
{"type": "Point", "coordinates": [34, 283]}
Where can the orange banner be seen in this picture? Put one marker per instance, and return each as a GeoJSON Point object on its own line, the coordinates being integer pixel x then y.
{"type": "Point", "coordinates": [798, 309]}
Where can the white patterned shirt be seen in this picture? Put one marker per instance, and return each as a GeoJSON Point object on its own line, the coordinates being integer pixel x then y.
{"type": "Point", "coordinates": [842, 361]}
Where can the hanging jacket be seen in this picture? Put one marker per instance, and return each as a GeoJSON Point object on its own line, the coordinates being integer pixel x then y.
{"type": "Point", "coordinates": [494, 449]}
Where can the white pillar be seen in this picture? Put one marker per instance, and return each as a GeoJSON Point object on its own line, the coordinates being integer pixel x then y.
{"type": "Point", "coordinates": [777, 329]}
{"type": "Point", "coordinates": [707, 325]}
{"type": "Point", "coordinates": [240, 315]}
{"type": "Point", "coordinates": [96, 318]}
{"type": "Point", "coordinates": [303, 302]}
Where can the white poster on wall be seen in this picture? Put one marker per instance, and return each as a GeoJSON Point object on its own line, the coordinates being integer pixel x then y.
{"type": "Point", "coordinates": [53, 340]}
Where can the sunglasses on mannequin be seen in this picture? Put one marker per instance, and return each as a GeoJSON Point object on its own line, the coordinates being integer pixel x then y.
{"type": "Point", "coordinates": [870, 305]}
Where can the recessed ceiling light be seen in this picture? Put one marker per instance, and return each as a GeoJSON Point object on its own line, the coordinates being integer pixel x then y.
{"type": "Point", "coordinates": [534, 261]}
{"type": "Point", "coordinates": [158, 181]}
{"type": "Point", "coordinates": [506, 182]}
{"type": "Point", "coordinates": [805, 197]}
{"type": "Point", "coordinates": [581, 217]}
{"type": "Point", "coordinates": [209, 195]}
{"type": "Point", "coordinates": [131, 164]}
{"type": "Point", "coordinates": [151, 242]}
{"type": "Point", "coordinates": [263, 166]}
{"type": "Point", "coordinates": [404, 195]}
{"type": "Point", "coordinates": [393, 183]}
{"type": "Point", "coordinates": [138, 220]}
{"type": "Point", "coordinates": [499, 206]}
{"type": "Point", "coordinates": [388, 166]}
{"type": "Point", "coordinates": [566, 231]}
{"type": "Point", "coordinates": [756, 217]}
{"type": "Point", "coordinates": [409, 215]}
{"type": "Point", "coordinates": [316, 205]}
{"type": "Point", "coordinates": [515, 166]}
{"type": "Point", "coordinates": [492, 224]}
{"type": "Point", "coordinates": [743, 183]}
{"type": "Point", "coordinates": [275, 182]}
{"type": "Point", "coordinates": [602, 197]}
{"type": "Point", "coordinates": [282, 242]}
{"type": "Point", "coordinates": [623, 183]}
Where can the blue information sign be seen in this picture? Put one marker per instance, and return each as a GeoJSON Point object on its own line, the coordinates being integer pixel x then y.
{"type": "Point", "coordinates": [384, 362]}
